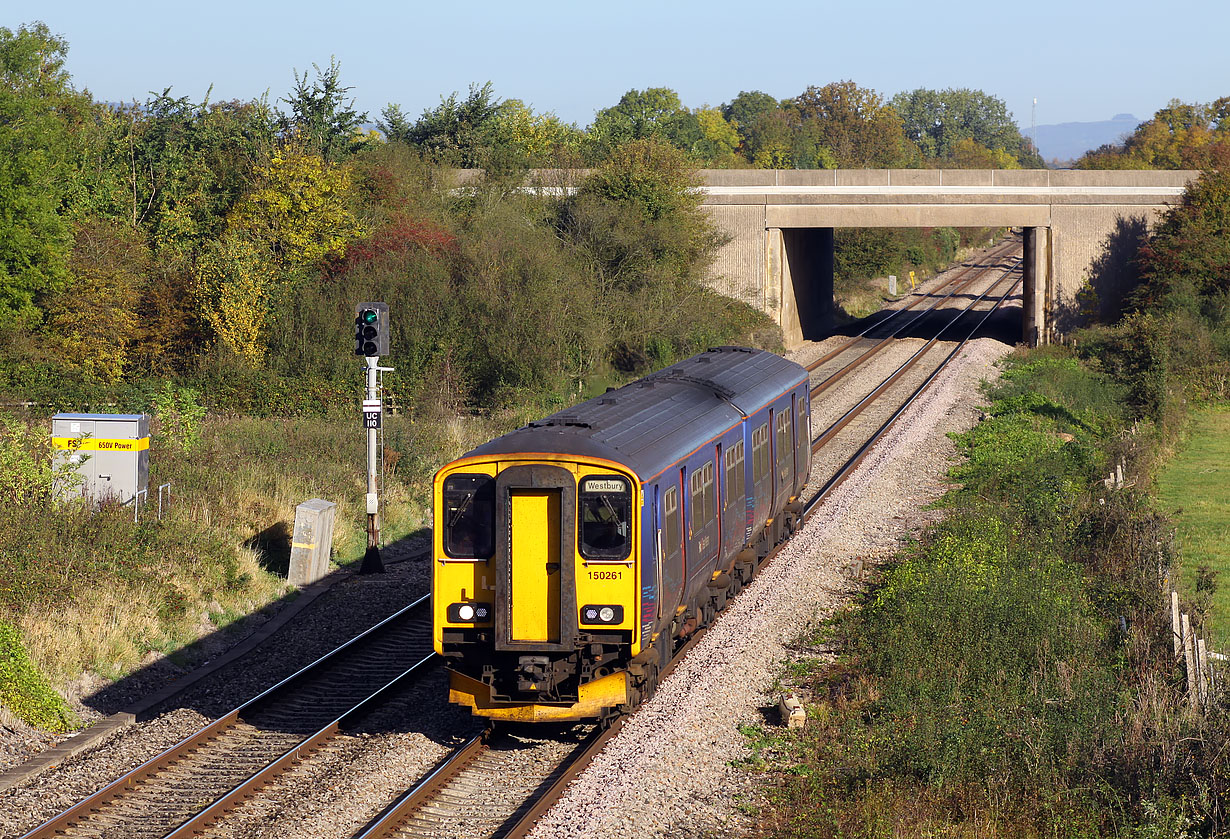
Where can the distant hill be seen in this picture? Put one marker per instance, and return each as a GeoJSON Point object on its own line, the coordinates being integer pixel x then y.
{"type": "Point", "coordinates": [1069, 140]}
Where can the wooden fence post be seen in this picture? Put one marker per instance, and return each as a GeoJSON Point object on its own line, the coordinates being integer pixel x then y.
{"type": "Point", "coordinates": [1202, 669]}
{"type": "Point", "coordinates": [1174, 623]}
{"type": "Point", "coordinates": [1189, 657]}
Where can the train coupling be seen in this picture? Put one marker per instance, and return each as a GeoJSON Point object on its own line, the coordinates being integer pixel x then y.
{"type": "Point", "coordinates": [534, 673]}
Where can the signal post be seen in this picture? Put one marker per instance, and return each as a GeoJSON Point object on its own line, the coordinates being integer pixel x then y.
{"type": "Point", "coordinates": [371, 340]}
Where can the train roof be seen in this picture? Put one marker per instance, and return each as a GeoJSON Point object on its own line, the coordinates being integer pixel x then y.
{"type": "Point", "coordinates": [656, 421]}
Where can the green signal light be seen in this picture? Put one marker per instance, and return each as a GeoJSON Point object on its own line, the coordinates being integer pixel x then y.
{"type": "Point", "coordinates": [369, 316]}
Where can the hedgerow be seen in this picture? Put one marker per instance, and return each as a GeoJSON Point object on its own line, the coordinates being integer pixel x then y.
{"type": "Point", "coordinates": [1010, 674]}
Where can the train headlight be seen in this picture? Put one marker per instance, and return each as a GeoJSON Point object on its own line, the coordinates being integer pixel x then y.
{"type": "Point", "coordinates": [602, 614]}
{"type": "Point", "coordinates": [469, 612]}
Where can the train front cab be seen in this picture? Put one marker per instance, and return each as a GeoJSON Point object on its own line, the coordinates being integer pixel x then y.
{"type": "Point", "coordinates": [536, 575]}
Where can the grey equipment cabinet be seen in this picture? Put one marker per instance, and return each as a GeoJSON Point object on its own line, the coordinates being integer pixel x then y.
{"type": "Point", "coordinates": [110, 451]}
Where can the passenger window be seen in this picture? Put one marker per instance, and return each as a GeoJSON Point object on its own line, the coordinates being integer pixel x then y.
{"type": "Point", "coordinates": [469, 516]}
{"type": "Point", "coordinates": [760, 453]}
{"type": "Point", "coordinates": [785, 438]}
{"type": "Point", "coordinates": [736, 475]}
{"type": "Point", "coordinates": [704, 497]}
{"type": "Point", "coordinates": [605, 516]}
{"type": "Point", "coordinates": [670, 522]}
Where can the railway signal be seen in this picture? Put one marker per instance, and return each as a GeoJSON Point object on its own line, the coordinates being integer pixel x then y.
{"type": "Point", "coordinates": [371, 329]}
{"type": "Point", "coordinates": [371, 340]}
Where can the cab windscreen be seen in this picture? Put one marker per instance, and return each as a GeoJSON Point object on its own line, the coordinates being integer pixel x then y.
{"type": "Point", "coordinates": [605, 518]}
{"type": "Point", "coordinates": [469, 516]}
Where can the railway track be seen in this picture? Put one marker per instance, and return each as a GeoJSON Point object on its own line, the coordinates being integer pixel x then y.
{"type": "Point", "coordinates": [500, 783]}
{"type": "Point", "coordinates": [881, 333]}
{"type": "Point", "coordinates": [479, 792]}
{"type": "Point", "coordinates": [191, 785]}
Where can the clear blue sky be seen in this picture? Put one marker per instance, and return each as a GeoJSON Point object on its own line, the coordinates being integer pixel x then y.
{"type": "Point", "coordinates": [1083, 60]}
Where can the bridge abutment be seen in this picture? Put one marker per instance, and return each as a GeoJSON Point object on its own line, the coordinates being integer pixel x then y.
{"type": "Point", "coordinates": [804, 260]}
{"type": "Point", "coordinates": [1036, 285]}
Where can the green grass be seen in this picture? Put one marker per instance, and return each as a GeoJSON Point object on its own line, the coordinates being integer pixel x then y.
{"type": "Point", "coordinates": [1196, 485]}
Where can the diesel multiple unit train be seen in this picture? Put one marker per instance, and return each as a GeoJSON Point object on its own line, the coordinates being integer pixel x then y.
{"type": "Point", "coordinates": [572, 556]}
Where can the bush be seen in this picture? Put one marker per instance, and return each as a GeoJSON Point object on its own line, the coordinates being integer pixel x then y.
{"type": "Point", "coordinates": [25, 692]}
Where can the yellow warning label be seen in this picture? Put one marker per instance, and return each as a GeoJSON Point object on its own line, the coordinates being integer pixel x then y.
{"type": "Point", "coordinates": [92, 444]}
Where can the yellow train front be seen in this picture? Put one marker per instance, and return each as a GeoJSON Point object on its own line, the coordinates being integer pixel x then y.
{"type": "Point", "coordinates": [572, 555]}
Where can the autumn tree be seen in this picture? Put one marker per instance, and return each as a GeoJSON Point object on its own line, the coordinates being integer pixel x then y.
{"type": "Point", "coordinates": [854, 124]}
{"type": "Point", "coordinates": [718, 145]}
{"type": "Point", "coordinates": [531, 138]}
{"type": "Point", "coordinates": [300, 208]}
{"type": "Point", "coordinates": [94, 321]}
{"type": "Point", "coordinates": [1179, 136]}
{"type": "Point", "coordinates": [34, 175]}
{"type": "Point", "coordinates": [298, 214]}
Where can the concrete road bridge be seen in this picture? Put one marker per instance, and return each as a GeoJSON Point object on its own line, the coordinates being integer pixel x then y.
{"type": "Point", "coordinates": [1081, 230]}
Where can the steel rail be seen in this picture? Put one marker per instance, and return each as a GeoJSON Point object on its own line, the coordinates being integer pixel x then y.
{"type": "Point", "coordinates": [201, 739]}
{"type": "Point", "coordinates": [995, 253]}
{"type": "Point", "coordinates": [199, 823]}
{"type": "Point", "coordinates": [439, 778]}
{"type": "Point", "coordinates": [389, 822]}
{"type": "Point", "coordinates": [904, 367]}
{"type": "Point", "coordinates": [526, 814]}
{"type": "Point", "coordinates": [863, 450]}
{"type": "Point", "coordinates": [883, 343]}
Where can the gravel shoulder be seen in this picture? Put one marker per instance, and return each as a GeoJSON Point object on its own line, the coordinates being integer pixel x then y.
{"type": "Point", "coordinates": [674, 770]}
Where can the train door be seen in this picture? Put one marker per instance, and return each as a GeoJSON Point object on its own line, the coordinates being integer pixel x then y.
{"type": "Point", "coordinates": [670, 552]}
{"type": "Point", "coordinates": [762, 475]}
{"type": "Point", "coordinates": [774, 443]}
{"type": "Point", "coordinates": [702, 522]}
{"type": "Point", "coordinates": [735, 511]}
{"type": "Point", "coordinates": [802, 432]}
{"type": "Point", "coordinates": [784, 425]}
{"type": "Point", "coordinates": [534, 564]}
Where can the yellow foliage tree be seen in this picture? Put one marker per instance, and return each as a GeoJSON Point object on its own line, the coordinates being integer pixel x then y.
{"type": "Point", "coordinates": [93, 321]}
{"type": "Point", "coordinates": [539, 137]}
{"type": "Point", "coordinates": [720, 140]}
{"type": "Point", "coordinates": [970, 154]}
{"type": "Point", "coordinates": [300, 209]}
{"type": "Point", "coordinates": [235, 284]}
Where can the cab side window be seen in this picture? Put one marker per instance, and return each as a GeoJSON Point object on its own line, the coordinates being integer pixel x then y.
{"type": "Point", "coordinates": [605, 518]}
{"type": "Point", "coordinates": [469, 516]}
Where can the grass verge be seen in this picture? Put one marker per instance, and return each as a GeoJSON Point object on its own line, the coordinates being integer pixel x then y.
{"type": "Point", "coordinates": [90, 590]}
{"type": "Point", "coordinates": [1195, 487]}
{"type": "Point", "coordinates": [1011, 673]}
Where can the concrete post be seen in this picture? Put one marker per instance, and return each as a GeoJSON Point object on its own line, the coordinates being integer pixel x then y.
{"type": "Point", "coordinates": [312, 542]}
